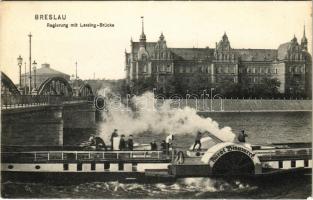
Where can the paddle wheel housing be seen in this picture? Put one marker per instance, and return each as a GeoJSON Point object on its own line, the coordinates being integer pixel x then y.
{"type": "Point", "coordinates": [232, 159]}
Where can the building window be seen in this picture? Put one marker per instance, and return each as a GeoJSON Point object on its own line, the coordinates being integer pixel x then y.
{"type": "Point", "coordinates": [275, 70]}
{"type": "Point", "coordinates": [169, 68]}
{"type": "Point", "coordinates": [181, 70]}
{"type": "Point", "coordinates": [163, 68]}
{"type": "Point", "coordinates": [253, 70]}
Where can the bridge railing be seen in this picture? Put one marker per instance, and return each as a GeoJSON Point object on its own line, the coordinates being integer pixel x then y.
{"type": "Point", "coordinates": [15, 101]}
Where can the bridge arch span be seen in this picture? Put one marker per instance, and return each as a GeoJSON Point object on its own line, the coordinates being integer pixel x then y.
{"type": "Point", "coordinates": [85, 90]}
{"type": "Point", "coordinates": [55, 86]}
{"type": "Point", "coordinates": [7, 85]}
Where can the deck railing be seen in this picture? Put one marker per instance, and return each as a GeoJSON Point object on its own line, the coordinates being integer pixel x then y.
{"type": "Point", "coordinates": [50, 156]}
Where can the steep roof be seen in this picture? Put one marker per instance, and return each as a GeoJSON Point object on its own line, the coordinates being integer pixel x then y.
{"type": "Point", "coordinates": [283, 50]}
{"type": "Point", "coordinates": [178, 53]}
{"type": "Point", "coordinates": [192, 53]}
{"type": "Point", "coordinates": [149, 47]}
{"type": "Point", "coordinates": [256, 54]}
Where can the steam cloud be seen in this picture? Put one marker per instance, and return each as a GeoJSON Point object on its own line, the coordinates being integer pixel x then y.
{"type": "Point", "coordinates": [157, 119]}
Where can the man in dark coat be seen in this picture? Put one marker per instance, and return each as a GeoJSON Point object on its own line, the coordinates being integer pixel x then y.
{"type": "Point", "coordinates": [130, 143]}
{"type": "Point", "coordinates": [122, 145]}
{"type": "Point", "coordinates": [100, 145]}
{"type": "Point", "coordinates": [242, 136]}
{"type": "Point", "coordinates": [197, 141]}
{"type": "Point", "coordinates": [163, 146]}
{"type": "Point", "coordinates": [154, 146]}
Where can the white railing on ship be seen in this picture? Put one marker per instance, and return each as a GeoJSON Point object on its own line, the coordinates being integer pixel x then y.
{"type": "Point", "coordinates": [51, 155]}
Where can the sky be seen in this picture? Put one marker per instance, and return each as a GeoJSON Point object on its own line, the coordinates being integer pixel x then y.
{"type": "Point", "coordinates": [100, 51]}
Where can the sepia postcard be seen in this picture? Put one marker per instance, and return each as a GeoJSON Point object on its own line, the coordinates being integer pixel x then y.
{"type": "Point", "coordinates": [156, 99]}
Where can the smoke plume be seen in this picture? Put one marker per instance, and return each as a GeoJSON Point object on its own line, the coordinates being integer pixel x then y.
{"type": "Point", "coordinates": [146, 115]}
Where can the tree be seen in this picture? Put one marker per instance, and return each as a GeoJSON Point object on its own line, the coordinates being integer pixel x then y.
{"type": "Point", "coordinates": [143, 84]}
{"type": "Point", "coordinates": [194, 84]}
{"type": "Point", "coordinates": [267, 88]}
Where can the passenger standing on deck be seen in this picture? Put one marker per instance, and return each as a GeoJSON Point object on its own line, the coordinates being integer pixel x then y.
{"type": "Point", "coordinates": [163, 146]}
{"type": "Point", "coordinates": [130, 143]}
{"type": "Point", "coordinates": [154, 146]}
{"type": "Point", "coordinates": [242, 136]}
{"type": "Point", "coordinates": [114, 134]}
{"type": "Point", "coordinates": [122, 145]}
{"type": "Point", "coordinates": [197, 141]}
{"type": "Point", "coordinates": [169, 142]}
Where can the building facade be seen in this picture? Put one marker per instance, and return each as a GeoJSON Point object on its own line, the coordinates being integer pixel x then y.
{"type": "Point", "coordinates": [290, 64]}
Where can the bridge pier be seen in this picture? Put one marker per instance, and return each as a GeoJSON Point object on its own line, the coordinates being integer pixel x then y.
{"type": "Point", "coordinates": [40, 125]}
{"type": "Point", "coordinates": [79, 116]}
{"type": "Point", "coordinates": [44, 124]}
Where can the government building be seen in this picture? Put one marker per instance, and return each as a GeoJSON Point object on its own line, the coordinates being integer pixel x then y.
{"type": "Point", "coordinates": [290, 64]}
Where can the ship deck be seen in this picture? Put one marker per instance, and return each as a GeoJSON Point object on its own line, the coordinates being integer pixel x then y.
{"type": "Point", "coordinates": [57, 154]}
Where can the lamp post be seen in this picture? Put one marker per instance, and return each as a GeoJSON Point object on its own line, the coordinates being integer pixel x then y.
{"type": "Point", "coordinates": [30, 63]}
{"type": "Point", "coordinates": [212, 98]}
{"type": "Point", "coordinates": [76, 70]}
{"type": "Point", "coordinates": [20, 62]}
{"type": "Point", "coordinates": [35, 69]}
{"type": "Point", "coordinates": [25, 82]}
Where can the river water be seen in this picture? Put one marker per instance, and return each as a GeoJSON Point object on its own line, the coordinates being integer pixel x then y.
{"type": "Point", "coordinates": [262, 128]}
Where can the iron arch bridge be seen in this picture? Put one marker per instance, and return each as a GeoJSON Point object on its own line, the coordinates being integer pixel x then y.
{"type": "Point", "coordinates": [7, 86]}
{"type": "Point", "coordinates": [85, 90]}
{"type": "Point", "coordinates": [55, 86]}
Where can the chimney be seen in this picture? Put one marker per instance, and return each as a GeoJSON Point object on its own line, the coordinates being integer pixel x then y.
{"type": "Point", "coordinates": [45, 65]}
